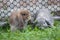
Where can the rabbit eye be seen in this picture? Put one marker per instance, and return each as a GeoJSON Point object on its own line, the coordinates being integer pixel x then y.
{"type": "Point", "coordinates": [23, 14]}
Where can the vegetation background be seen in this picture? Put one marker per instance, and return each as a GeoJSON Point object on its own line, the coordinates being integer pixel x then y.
{"type": "Point", "coordinates": [29, 34]}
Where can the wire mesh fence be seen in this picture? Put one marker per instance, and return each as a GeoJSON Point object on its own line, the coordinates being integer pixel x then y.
{"type": "Point", "coordinates": [7, 6]}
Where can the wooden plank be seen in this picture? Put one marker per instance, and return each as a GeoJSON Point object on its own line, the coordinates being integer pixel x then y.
{"type": "Point", "coordinates": [56, 17]}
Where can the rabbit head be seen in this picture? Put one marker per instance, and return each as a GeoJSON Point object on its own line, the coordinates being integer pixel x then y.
{"type": "Point", "coordinates": [44, 18]}
{"type": "Point", "coordinates": [19, 19]}
{"type": "Point", "coordinates": [25, 15]}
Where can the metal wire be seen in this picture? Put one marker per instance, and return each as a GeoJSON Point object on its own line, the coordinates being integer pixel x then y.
{"type": "Point", "coordinates": [7, 6]}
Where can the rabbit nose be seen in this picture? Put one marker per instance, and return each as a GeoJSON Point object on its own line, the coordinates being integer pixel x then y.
{"type": "Point", "coordinates": [29, 17]}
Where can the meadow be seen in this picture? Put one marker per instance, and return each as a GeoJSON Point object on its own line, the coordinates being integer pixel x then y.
{"type": "Point", "coordinates": [31, 34]}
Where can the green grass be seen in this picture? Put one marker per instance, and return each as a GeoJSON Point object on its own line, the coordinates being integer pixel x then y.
{"type": "Point", "coordinates": [29, 34]}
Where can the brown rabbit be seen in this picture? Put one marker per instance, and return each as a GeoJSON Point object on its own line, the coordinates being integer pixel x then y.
{"type": "Point", "coordinates": [19, 19]}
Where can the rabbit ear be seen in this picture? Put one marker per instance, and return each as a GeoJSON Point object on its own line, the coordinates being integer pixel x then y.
{"type": "Point", "coordinates": [20, 20]}
{"type": "Point", "coordinates": [12, 18]}
{"type": "Point", "coordinates": [16, 21]}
